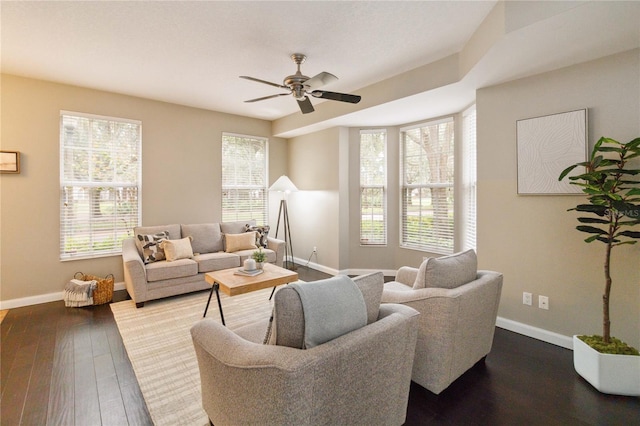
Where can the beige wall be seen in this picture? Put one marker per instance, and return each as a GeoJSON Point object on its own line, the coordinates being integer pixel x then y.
{"type": "Point", "coordinates": [532, 239]}
{"type": "Point", "coordinates": [181, 157]}
{"type": "Point", "coordinates": [314, 210]}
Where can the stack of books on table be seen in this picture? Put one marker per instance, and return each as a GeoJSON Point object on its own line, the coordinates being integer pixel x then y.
{"type": "Point", "coordinates": [250, 273]}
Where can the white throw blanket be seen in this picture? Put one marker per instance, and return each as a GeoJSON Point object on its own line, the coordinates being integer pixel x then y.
{"type": "Point", "coordinates": [79, 293]}
{"type": "Point", "coordinates": [331, 307]}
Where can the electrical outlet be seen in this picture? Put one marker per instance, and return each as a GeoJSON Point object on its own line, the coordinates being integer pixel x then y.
{"type": "Point", "coordinates": [315, 249]}
{"type": "Point", "coordinates": [527, 298]}
{"type": "Point", "coordinates": [543, 302]}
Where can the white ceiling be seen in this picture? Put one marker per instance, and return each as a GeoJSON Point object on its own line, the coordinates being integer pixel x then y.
{"type": "Point", "coordinates": [191, 53]}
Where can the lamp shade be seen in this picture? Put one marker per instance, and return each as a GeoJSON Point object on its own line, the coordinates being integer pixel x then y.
{"type": "Point", "coordinates": [283, 184]}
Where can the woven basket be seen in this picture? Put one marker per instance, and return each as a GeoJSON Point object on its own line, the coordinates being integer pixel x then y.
{"type": "Point", "coordinates": [104, 289]}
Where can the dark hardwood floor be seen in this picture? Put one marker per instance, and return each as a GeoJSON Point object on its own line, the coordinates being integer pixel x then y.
{"type": "Point", "coordinates": [67, 366]}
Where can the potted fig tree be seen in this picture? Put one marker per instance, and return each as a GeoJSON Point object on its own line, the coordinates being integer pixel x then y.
{"type": "Point", "coordinates": [613, 209]}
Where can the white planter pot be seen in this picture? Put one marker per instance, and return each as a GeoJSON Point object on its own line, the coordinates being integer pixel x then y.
{"type": "Point", "coordinates": [612, 374]}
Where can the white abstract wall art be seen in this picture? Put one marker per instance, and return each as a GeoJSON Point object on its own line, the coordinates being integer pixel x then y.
{"type": "Point", "coordinates": [546, 146]}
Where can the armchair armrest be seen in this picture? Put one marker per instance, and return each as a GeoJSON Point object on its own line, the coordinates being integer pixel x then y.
{"type": "Point", "coordinates": [277, 246]}
{"type": "Point", "coordinates": [407, 275]}
{"type": "Point", "coordinates": [403, 297]}
{"type": "Point", "coordinates": [234, 369]}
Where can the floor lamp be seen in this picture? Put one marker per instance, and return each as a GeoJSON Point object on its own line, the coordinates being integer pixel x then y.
{"type": "Point", "coordinates": [284, 185]}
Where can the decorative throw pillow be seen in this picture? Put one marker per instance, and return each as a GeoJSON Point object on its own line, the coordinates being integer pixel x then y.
{"type": "Point", "coordinates": [177, 249]}
{"type": "Point", "coordinates": [262, 232]}
{"type": "Point", "coordinates": [149, 246]}
{"type": "Point", "coordinates": [448, 271]}
{"type": "Point", "coordinates": [237, 242]}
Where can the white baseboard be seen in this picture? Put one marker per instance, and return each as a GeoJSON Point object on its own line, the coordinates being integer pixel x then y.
{"type": "Point", "coordinates": [42, 298]}
{"type": "Point", "coordinates": [535, 332]}
{"type": "Point", "coordinates": [316, 266]}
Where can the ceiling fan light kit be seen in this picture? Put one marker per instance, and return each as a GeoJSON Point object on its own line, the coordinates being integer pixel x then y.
{"type": "Point", "coordinates": [300, 86]}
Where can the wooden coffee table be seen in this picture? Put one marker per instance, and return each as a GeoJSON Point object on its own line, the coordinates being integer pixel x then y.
{"type": "Point", "coordinates": [233, 285]}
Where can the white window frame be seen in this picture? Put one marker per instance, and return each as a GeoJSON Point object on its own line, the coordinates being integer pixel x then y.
{"type": "Point", "coordinates": [234, 185]}
{"type": "Point", "coordinates": [367, 220]}
{"type": "Point", "coordinates": [440, 240]}
{"type": "Point", "coordinates": [469, 179]}
{"type": "Point", "coordinates": [86, 231]}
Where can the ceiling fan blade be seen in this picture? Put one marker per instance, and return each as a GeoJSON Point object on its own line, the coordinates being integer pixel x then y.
{"type": "Point", "coordinates": [264, 81]}
{"type": "Point", "coordinates": [268, 97]}
{"type": "Point", "coordinates": [319, 80]}
{"type": "Point", "coordinates": [334, 96]}
{"type": "Point", "coordinates": [305, 105]}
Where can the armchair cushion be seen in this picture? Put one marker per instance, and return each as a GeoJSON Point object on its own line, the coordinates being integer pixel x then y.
{"type": "Point", "coordinates": [447, 271]}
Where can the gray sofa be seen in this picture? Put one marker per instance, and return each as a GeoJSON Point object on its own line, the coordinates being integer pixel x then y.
{"type": "Point", "coordinates": [209, 247]}
{"type": "Point", "coordinates": [359, 378]}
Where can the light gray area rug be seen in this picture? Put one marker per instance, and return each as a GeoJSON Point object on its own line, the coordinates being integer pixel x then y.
{"type": "Point", "coordinates": [159, 345]}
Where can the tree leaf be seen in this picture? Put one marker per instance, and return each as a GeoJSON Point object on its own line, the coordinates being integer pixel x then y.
{"type": "Point", "coordinates": [597, 146]}
{"type": "Point", "coordinates": [600, 210]}
{"type": "Point", "coordinates": [592, 220]}
{"type": "Point", "coordinates": [567, 171]}
{"type": "Point", "coordinates": [591, 239]}
{"type": "Point", "coordinates": [633, 144]}
{"type": "Point", "coordinates": [630, 234]}
{"type": "Point", "coordinates": [610, 149]}
{"type": "Point", "coordinates": [591, 230]}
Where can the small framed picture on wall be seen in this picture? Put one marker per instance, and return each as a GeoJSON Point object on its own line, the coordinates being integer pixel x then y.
{"type": "Point", "coordinates": [9, 162]}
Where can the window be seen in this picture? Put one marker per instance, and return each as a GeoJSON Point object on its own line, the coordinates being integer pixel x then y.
{"type": "Point", "coordinates": [373, 183]}
{"type": "Point", "coordinates": [469, 179]}
{"type": "Point", "coordinates": [100, 176]}
{"type": "Point", "coordinates": [244, 178]}
{"type": "Point", "coordinates": [427, 163]}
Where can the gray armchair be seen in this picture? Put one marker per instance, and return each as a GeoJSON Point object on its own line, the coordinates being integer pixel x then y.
{"type": "Point", "coordinates": [458, 307]}
{"type": "Point", "coordinates": [361, 377]}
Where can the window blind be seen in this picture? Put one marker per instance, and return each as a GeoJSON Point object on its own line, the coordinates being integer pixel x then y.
{"type": "Point", "coordinates": [373, 187]}
{"type": "Point", "coordinates": [100, 178]}
{"type": "Point", "coordinates": [469, 177]}
{"type": "Point", "coordinates": [244, 178]}
{"type": "Point", "coordinates": [427, 211]}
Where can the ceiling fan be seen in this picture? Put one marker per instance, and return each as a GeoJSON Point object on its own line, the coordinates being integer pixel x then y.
{"type": "Point", "coordinates": [300, 86]}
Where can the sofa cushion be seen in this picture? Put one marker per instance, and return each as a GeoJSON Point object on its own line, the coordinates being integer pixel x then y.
{"type": "Point", "coordinates": [177, 249]}
{"type": "Point", "coordinates": [150, 246]}
{"type": "Point", "coordinates": [209, 262]}
{"type": "Point", "coordinates": [164, 270]}
{"type": "Point", "coordinates": [236, 242]}
{"type": "Point", "coordinates": [335, 306]}
{"type": "Point", "coordinates": [236, 227]}
{"type": "Point", "coordinates": [447, 271]}
{"type": "Point", "coordinates": [262, 233]}
{"type": "Point", "coordinates": [207, 237]}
